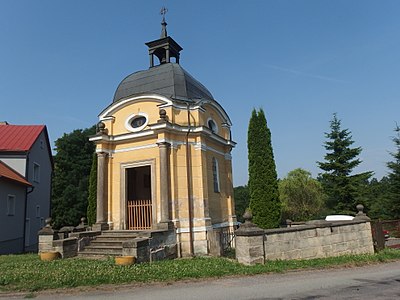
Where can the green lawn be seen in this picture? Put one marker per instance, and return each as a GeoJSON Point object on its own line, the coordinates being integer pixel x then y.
{"type": "Point", "coordinates": [28, 273]}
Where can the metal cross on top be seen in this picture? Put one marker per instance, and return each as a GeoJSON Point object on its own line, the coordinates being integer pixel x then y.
{"type": "Point", "coordinates": [163, 12]}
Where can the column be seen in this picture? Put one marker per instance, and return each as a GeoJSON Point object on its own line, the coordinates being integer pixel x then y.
{"type": "Point", "coordinates": [151, 60]}
{"type": "Point", "coordinates": [167, 55]}
{"type": "Point", "coordinates": [101, 219]}
{"type": "Point", "coordinates": [164, 173]}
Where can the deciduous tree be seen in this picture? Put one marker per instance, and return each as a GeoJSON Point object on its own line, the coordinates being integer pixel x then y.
{"type": "Point", "coordinates": [72, 165]}
{"type": "Point", "coordinates": [241, 194]}
{"type": "Point", "coordinates": [301, 195]}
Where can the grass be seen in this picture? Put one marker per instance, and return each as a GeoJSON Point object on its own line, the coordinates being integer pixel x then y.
{"type": "Point", "coordinates": [29, 274]}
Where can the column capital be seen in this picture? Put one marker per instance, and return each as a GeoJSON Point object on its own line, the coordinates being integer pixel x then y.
{"type": "Point", "coordinates": [102, 154]}
{"type": "Point", "coordinates": [163, 144]}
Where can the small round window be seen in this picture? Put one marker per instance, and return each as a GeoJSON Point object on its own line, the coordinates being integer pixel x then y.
{"type": "Point", "coordinates": [136, 122]}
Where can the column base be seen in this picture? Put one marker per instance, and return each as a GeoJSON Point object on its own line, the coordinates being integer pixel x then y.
{"type": "Point", "coordinates": [100, 227]}
{"type": "Point", "coordinates": [168, 225]}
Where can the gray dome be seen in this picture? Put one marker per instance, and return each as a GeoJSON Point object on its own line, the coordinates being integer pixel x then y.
{"type": "Point", "coordinates": [168, 79]}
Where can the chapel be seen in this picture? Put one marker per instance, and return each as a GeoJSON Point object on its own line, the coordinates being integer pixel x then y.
{"type": "Point", "coordinates": [164, 155]}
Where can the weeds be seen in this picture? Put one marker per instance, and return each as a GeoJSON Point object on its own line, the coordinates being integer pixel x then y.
{"type": "Point", "coordinates": [28, 273]}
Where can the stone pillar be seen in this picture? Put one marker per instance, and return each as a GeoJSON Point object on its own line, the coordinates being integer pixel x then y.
{"type": "Point", "coordinates": [164, 183]}
{"type": "Point", "coordinates": [101, 219]}
{"type": "Point", "coordinates": [46, 237]}
{"type": "Point", "coordinates": [249, 242]}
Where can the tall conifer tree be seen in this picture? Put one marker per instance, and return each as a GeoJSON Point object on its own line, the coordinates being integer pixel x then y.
{"type": "Point", "coordinates": [394, 178]}
{"type": "Point", "coordinates": [341, 187]}
{"type": "Point", "coordinates": [92, 198]}
{"type": "Point", "coordinates": [263, 185]}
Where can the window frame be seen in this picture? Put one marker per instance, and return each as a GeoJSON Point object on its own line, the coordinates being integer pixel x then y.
{"type": "Point", "coordinates": [11, 199]}
{"type": "Point", "coordinates": [215, 172]}
{"type": "Point", "coordinates": [36, 172]}
{"type": "Point", "coordinates": [212, 125]}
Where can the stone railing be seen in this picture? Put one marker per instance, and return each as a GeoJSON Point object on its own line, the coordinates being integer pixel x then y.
{"type": "Point", "coordinates": [67, 241]}
{"type": "Point", "coordinates": [315, 239]}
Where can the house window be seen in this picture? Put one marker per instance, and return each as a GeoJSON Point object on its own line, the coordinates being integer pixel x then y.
{"type": "Point", "coordinates": [215, 175]}
{"type": "Point", "coordinates": [36, 172]}
{"type": "Point", "coordinates": [37, 211]}
{"type": "Point", "coordinates": [10, 205]}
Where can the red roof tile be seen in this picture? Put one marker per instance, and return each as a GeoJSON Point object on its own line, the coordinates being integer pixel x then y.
{"type": "Point", "coordinates": [7, 172]}
{"type": "Point", "coordinates": [18, 137]}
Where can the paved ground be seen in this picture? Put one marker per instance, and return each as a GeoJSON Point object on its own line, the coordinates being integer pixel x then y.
{"type": "Point", "coordinates": [371, 282]}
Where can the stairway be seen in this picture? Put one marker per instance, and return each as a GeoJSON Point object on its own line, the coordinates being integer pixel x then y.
{"type": "Point", "coordinates": [109, 243]}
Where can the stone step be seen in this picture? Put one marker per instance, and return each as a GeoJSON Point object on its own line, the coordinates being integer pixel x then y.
{"type": "Point", "coordinates": [103, 250]}
{"type": "Point", "coordinates": [126, 233]}
{"type": "Point", "coordinates": [105, 242]}
{"type": "Point", "coordinates": [115, 238]}
{"type": "Point", "coordinates": [109, 243]}
{"type": "Point", "coordinates": [97, 256]}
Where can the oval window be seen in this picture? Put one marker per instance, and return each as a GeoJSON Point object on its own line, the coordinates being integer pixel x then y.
{"type": "Point", "coordinates": [138, 121]}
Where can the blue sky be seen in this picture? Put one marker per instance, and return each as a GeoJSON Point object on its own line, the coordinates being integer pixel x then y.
{"type": "Point", "coordinates": [301, 61]}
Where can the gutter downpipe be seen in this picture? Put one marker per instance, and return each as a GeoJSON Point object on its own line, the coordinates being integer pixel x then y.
{"type": "Point", "coordinates": [189, 189]}
{"type": "Point", "coordinates": [26, 202]}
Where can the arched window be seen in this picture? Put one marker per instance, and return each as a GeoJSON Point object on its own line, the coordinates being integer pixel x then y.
{"type": "Point", "coordinates": [212, 125]}
{"type": "Point", "coordinates": [215, 174]}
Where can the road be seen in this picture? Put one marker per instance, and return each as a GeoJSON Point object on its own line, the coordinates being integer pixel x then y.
{"type": "Point", "coordinates": [370, 282]}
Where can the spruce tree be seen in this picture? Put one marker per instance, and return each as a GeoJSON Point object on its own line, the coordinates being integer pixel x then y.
{"type": "Point", "coordinates": [339, 184]}
{"type": "Point", "coordinates": [263, 184]}
{"type": "Point", "coordinates": [92, 198]}
{"type": "Point", "coordinates": [394, 178]}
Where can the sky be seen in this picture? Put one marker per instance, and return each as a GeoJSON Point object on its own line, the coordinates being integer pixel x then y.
{"type": "Point", "coordinates": [301, 61]}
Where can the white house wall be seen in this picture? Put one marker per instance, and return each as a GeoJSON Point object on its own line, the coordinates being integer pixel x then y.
{"type": "Point", "coordinates": [17, 162]}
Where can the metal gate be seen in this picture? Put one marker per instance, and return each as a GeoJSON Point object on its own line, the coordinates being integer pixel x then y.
{"type": "Point", "coordinates": [139, 214]}
{"type": "Point", "coordinates": [392, 227]}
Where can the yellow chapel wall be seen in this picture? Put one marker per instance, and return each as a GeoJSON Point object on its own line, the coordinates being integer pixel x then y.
{"type": "Point", "coordinates": [206, 203]}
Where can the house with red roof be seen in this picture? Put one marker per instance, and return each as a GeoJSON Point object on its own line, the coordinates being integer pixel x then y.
{"type": "Point", "coordinates": [26, 166]}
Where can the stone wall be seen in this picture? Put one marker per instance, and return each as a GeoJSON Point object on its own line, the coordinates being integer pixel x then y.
{"type": "Point", "coordinates": [315, 239]}
{"type": "Point", "coordinates": [324, 239]}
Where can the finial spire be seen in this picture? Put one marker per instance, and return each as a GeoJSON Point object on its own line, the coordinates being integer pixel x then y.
{"type": "Point", "coordinates": [163, 12]}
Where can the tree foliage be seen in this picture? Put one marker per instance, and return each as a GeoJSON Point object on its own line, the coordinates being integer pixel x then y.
{"type": "Point", "coordinates": [241, 194]}
{"type": "Point", "coordinates": [394, 177]}
{"type": "Point", "coordinates": [92, 198]}
{"type": "Point", "coordinates": [338, 182]}
{"type": "Point", "coordinates": [376, 198]}
{"type": "Point", "coordinates": [72, 165]}
{"type": "Point", "coordinates": [302, 196]}
{"type": "Point", "coordinates": [263, 184]}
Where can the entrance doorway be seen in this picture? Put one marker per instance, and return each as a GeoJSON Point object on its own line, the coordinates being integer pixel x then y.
{"type": "Point", "coordinates": [139, 202]}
